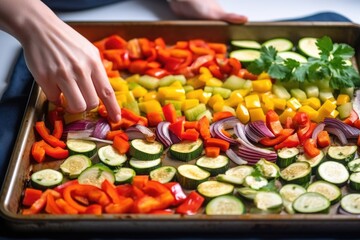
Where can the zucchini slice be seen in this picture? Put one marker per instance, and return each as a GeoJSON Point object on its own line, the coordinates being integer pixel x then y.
{"type": "Point", "coordinates": [280, 44]}
{"type": "Point", "coordinates": [186, 150]}
{"type": "Point", "coordinates": [46, 178]}
{"type": "Point", "coordinates": [354, 182]}
{"type": "Point", "coordinates": [124, 175]}
{"type": "Point", "coordinates": [354, 165]}
{"type": "Point", "coordinates": [351, 203]}
{"type": "Point", "coordinates": [190, 176]}
{"type": "Point", "coordinates": [286, 156]}
{"type": "Point", "coordinates": [212, 189]}
{"type": "Point", "coordinates": [111, 157]}
{"type": "Point", "coordinates": [292, 55]}
{"type": "Point", "coordinates": [311, 202]}
{"type": "Point", "coordinates": [96, 174]}
{"type": "Point", "coordinates": [314, 162]}
{"type": "Point", "coordinates": [342, 154]}
{"type": "Point", "coordinates": [225, 205]}
{"type": "Point", "coordinates": [247, 193]}
{"type": "Point", "coordinates": [249, 44]}
{"type": "Point", "coordinates": [79, 146]}
{"type": "Point", "coordinates": [297, 173]}
{"type": "Point", "coordinates": [144, 166]}
{"type": "Point", "coordinates": [267, 169]}
{"type": "Point", "coordinates": [308, 47]}
{"type": "Point", "coordinates": [289, 193]}
{"type": "Point", "coordinates": [163, 174]}
{"type": "Point", "coordinates": [329, 190]}
{"type": "Point", "coordinates": [333, 172]}
{"type": "Point", "coordinates": [144, 150]}
{"type": "Point", "coordinates": [237, 174]}
{"type": "Point", "coordinates": [269, 202]}
{"type": "Point", "coordinates": [245, 56]}
{"type": "Point", "coordinates": [75, 164]}
{"type": "Point", "coordinates": [215, 165]}
{"type": "Point", "coordinates": [255, 182]}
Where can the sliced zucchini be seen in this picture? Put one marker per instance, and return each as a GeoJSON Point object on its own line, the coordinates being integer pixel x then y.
{"type": "Point", "coordinates": [245, 56]}
{"type": "Point", "coordinates": [292, 55]}
{"type": "Point", "coordinates": [247, 193]}
{"type": "Point", "coordinates": [79, 146]}
{"type": "Point", "coordinates": [289, 193]}
{"type": "Point", "coordinates": [308, 47]}
{"type": "Point", "coordinates": [215, 165]}
{"type": "Point", "coordinates": [144, 166]}
{"type": "Point", "coordinates": [314, 162]}
{"type": "Point", "coordinates": [329, 190]}
{"type": "Point", "coordinates": [96, 174]}
{"type": "Point", "coordinates": [111, 157]}
{"type": "Point", "coordinates": [351, 203]}
{"type": "Point", "coordinates": [144, 150]}
{"type": "Point", "coordinates": [354, 182]}
{"type": "Point", "coordinates": [186, 150]}
{"type": "Point", "coordinates": [240, 172]}
{"type": "Point", "coordinates": [267, 169]}
{"type": "Point", "coordinates": [342, 154]}
{"type": "Point", "coordinates": [354, 165]}
{"type": "Point", "coordinates": [212, 189]}
{"type": "Point", "coordinates": [163, 174]}
{"type": "Point", "coordinates": [249, 44]}
{"type": "Point", "coordinates": [297, 173]}
{"type": "Point", "coordinates": [124, 175]}
{"type": "Point", "coordinates": [255, 182]}
{"type": "Point", "coordinates": [280, 44]}
{"type": "Point", "coordinates": [229, 179]}
{"type": "Point", "coordinates": [75, 164]}
{"type": "Point", "coordinates": [333, 172]}
{"type": "Point", "coordinates": [225, 205]}
{"type": "Point", "coordinates": [46, 178]}
{"type": "Point", "coordinates": [190, 176]}
{"type": "Point", "coordinates": [269, 202]}
{"type": "Point", "coordinates": [311, 202]}
{"type": "Point", "coordinates": [286, 156]}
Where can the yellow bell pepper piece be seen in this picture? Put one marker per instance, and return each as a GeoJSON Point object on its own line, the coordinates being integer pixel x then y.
{"type": "Point", "coordinates": [242, 113]}
{"type": "Point", "coordinates": [234, 99]}
{"type": "Point", "coordinates": [263, 75]}
{"type": "Point", "coordinates": [229, 109]}
{"type": "Point", "coordinates": [252, 101]}
{"type": "Point", "coordinates": [133, 78]}
{"type": "Point", "coordinates": [325, 110]}
{"type": "Point", "coordinates": [151, 95]}
{"type": "Point", "coordinates": [139, 91]}
{"type": "Point", "coordinates": [218, 106]}
{"type": "Point", "coordinates": [121, 96]}
{"type": "Point", "coordinates": [214, 82]}
{"type": "Point", "coordinates": [256, 114]}
{"type": "Point", "coordinates": [310, 111]}
{"type": "Point", "coordinates": [244, 92]}
{"type": "Point", "coordinates": [268, 105]}
{"type": "Point", "coordinates": [189, 103]}
{"type": "Point", "coordinates": [214, 99]}
{"type": "Point", "coordinates": [288, 112]}
{"type": "Point", "coordinates": [334, 114]}
{"type": "Point", "coordinates": [195, 83]}
{"type": "Point", "coordinates": [342, 98]}
{"type": "Point", "coordinates": [293, 103]}
{"type": "Point", "coordinates": [199, 94]}
{"type": "Point", "coordinates": [176, 84]}
{"type": "Point", "coordinates": [150, 106]}
{"type": "Point", "coordinates": [313, 102]}
{"type": "Point", "coordinates": [205, 74]}
{"type": "Point", "coordinates": [171, 93]}
{"type": "Point", "coordinates": [279, 103]}
{"type": "Point", "coordinates": [118, 84]}
{"type": "Point", "coordinates": [262, 86]}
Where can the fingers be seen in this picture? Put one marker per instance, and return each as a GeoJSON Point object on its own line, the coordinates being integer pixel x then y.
{"type": "Point", "coordinates": [234, 18]}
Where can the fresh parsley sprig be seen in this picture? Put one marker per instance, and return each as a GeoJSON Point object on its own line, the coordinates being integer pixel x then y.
{"type": "Point", "coordinates": [331, 65]}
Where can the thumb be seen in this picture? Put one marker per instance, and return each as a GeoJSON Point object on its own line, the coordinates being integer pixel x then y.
{"type": "Point", "coordinates": [234, 18]}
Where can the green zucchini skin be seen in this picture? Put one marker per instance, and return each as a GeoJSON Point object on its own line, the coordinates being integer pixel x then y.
{"type": "Point", "coordinates": [143, 150]}
{"type": "Point", "coordinates": [341, 154]}
{"type": "Point", "coordinates": [215, 166]}
{"type": "Point", "coordinates": [186, 177]}
{"type": "Point", "coordinates": [287, 175]}
{"type": "Point", "coordinates": [186, 150]}
{"type": "Point", "coordinates": [96, 174]}
{"type": "Point", "coordinates": [79, 146]}
{"type": "Point", "coordinates": [286, 156]}
{"type": "Point", "coordinates": [163, 174]}
{"type": "Point", "coordinates": [333, 172]}
{"type": "Point", "coordinates": [354, 181]}
{"type": "Point", "coordinates": [144, 167]}
{"type": "Point", "coordinates": [329, 190]}
{"type": "Point", "coordinates": [75, 164]}
{"type": "Point", "coordinates": [46, 178]}
{"type": "Point", "coordinates": [124, 175]}
{"type": "Point", "coordinates": [211, 189]}
{"type": "Point", "coordinates": [300, 204]}
{"type": "Point", "coordinates": [225, 205]}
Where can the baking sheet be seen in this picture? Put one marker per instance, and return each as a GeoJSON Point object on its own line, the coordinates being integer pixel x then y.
{"type": "Point", "coordinates": [20, 166]}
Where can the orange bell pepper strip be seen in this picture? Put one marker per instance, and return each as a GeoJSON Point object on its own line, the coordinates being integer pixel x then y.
{"type": "Point", "coordinates": [44, 133]}
{"type": "Point", "coordinates": [163, 211]}
{"type": "Point", "coordinates": [169, 112]}
{"type": "Point", "coordinates": [138, 66]}
{"type": "Point", "coordinates": [58, 129]}
{"type": "Point", "coordinates": [119, 57]}
{"type": "Point", "coordinates": [38, 152]}
{"type": "Point", "coordinates": [146, 204]}
{"type": "Point", "coordinates": [204, 128]}
{"type": "Point", "coordinates": [31, 195]}
{"type": "Point", "coordinates": [130, 115]}
{"type": "Point", "coordinates": [115, 42]}
{"type": "Point", "coordinates": [60, 188]}
{"type": "Point", "coordinates": [323, 139]}
{"type": "Point", "coordinates": [140, 181]}
{"type": "Point", "coordinates": [245, 74]}
{"type": "Point", "coordinates": [154, 118]}
{"type": "Point", "coordinates": [124, 206]}
{"type": "Point", "coordinates": [159, 43]}
{"type": "Point", "coordinates": [51, 206]}
{"type": "Point", "coordinates": [190, 125]}
{"type": "Point", "coordinates": [157, 72]}
{"type": "Point", "coordinates": [289, 142]}
{"type": "Point", "coordinates": [94, 209]}
{"type": "Point", "coordinates": [306, 132]}
{"type": "Point", "coordinates": [111, 135]}
{"type": "Point", "coordinates": [121, 145]}
{"type": "Point", "coordinates": [217, 142]}
{"type": "Point", "coordinates": [218, 47]}
{"type": "Point", "coordinates": [310, 148]}
{"type": "Point", "coordinates": [352, 118]}
{"type": "Point", "coordinates": [270, 142]}
{"type": "Point", "coordinates": [125, 190]}
{"type": "Point", "coordinates": [40, 203]}
{"type": "Point", "coordinates": [212, 152]}
{"type": "Point", "coordinates": [110, 190]}
{"type": "Point", "coordinates": [65, 207]}
{"type": "Point", "coordinates": [191, 205]}
{"type": "Point", "coordinates": [221, 115]}
{"type": "Point", "coordinates": [55, 152]}
{"type": "Point", "coordinates": [273, 122]}
{"type": "Point", "coordinates": [200, 47]}
{"type": "Point", "coordinates": [102, 111]}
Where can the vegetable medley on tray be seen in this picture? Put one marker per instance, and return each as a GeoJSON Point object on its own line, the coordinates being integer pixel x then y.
{"type": "Point", "coordinates": [207, 128]}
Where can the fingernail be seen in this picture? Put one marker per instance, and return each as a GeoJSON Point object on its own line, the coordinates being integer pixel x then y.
{"type": "Point", "coordinates": [118, 118]}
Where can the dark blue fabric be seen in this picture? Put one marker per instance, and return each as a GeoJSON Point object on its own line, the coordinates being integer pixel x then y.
{"type": "Point", "coordinates": [69, 5]}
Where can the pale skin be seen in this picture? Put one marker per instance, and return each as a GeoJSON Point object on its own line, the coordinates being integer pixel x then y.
{"type": "Point", "coordinates": [63, 61]}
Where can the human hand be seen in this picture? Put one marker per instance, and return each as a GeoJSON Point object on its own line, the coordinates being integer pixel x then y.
{"type": "Point", "coordinates": [204, 9]}
{"type": "Point", "coordinates": [63, 61]}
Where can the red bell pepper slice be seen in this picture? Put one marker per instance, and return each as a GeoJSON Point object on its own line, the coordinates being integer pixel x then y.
{"type": "Point", "coordinates": [60, 188]}
{"type": "Point", "coordinates": [323, 139]}
{"type": "Point", "coordinates": [44, 133]}
{"type": "Point", "coordinates": [40, 204]}
{"type": "Point", "coordinates": [58, 129]}
{"type": "Point", "coordinates": [111, 135]}
{"type": "Point", "coordinates": [273, 122]}
{"type": "Point", "coordinates": [306, 132]}
{"type": "Point", "coordinates": [177, 192]}
{"type": "Point", "coordinates": [200, 47]}
{"type": "Point", "coordinates": [245, 74]}
{"type": "Point", "coordinates": [235, 66]}
{"type": "Point", "coordinates": [124, 205]}
{"type": "Point", "coordinates": [212, 152]}
{"type": "Point", "coordinates": [138, 66]}
{"type": "Point", "coordinates": [31, 195]}
{"type": "Point", "coordinates": [190, 135]}
{"type": "Point", "coordinates": [217, 142]}
{"type": "Point", "coordinates": [134, 50]}
{"type": "Point", "coordinates": [177, 128]}
{"type": "Point", "coordinates": [115, 42]}
{"type": "Point", "coordinates": [110, 190]}
{"type": "Point", "coordinates": [201, 61]}
{"type": "Point", "coordinates": [191, 205]}
{"type": "Point", "coordinates": [140, 181]}
{"type": "Point", "coordinates": [169, 112]}
{"type": "Point", "coordinates": [154, 118]}
{"type": "Point", "coordinates": [270, 142]}
{"type": "Point", "coordinates": [352, 118]}
{"type": "Point", "coordinates": [289, 142]}
{"type": "Point", "coordinates": [66, 207]}
{"type": "Point", "coordinates": [204, 128]}
{"type": "Point", "coordinates": [160, 43]}
{"type": "Point", "coordinates": [121, 145]}
{"type": "Point", "coordinates": [125, 190]}
{"type": "Point", "coordinates": [157, 72]}
{"type": "Point", "coordinates": [51, 206]}
{"type": "Point", "coordinates": [94, 209]}
{"type": "Point", "coordinates": [119, 57]}
{"type": "Point", "coordinates": [38, 152]}
{"type": "Point", "coordinates": [310, 148]}
{"type": "Point", "coordinates": [55, 152]}
{"type": "Point", "coordinates": [163, 211]}
{"type": "Point", "coordinates": [215, 71]}
{"type": "Point", "coordinates": [301, 120]}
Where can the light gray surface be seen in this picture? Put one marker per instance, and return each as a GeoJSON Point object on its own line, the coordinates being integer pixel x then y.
{"type": "Point", "coordinates": [152, 10]}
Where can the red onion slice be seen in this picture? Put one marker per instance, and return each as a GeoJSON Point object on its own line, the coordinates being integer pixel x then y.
{"type": "Point", "coordinates": [140, 132]}
{"type": "Point", "coordinates": [223, 124]}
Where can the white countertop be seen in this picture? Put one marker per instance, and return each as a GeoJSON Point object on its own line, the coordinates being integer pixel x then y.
{"type": "Point", "coordinates": [153, 10]}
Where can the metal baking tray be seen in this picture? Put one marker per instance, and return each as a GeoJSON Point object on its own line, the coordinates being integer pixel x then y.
{"type": "Point", "coordinates": [20, 166]}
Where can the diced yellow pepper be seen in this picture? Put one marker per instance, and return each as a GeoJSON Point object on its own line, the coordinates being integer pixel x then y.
{"type": "Point", "coordinates": [176, 84]}
{"type": "Point", "coordinates": [288, 112]}
{"type": "Point", "coordinates": [71, 117]}
{"type": "Point", "coordinates": [263, 75]}
{"type": "Point", "coordinates": [252, 101]}
{"type": "Point", "coordinates": [256, 114]}
{"type": "Point", "coordinates": [214, 99]}
{"type": "Point", "coordinates": [242, 113]}
{"type": "Point", "coordinates": [152, 95]}
{"type": "Point", "coordinates": [229, 109]}
{"type": "Point", "coordinates": [268, 105]}
{"type": "Point", "coordinates": [262, 86]}
{"type": "Point", "coordinates": [121, 96]}
{"type": "Point", "coordinates": [189, 103]}
{"type": "Point", "coordinates": [234, 99]}
{"type": "Point", "coordinates": [199, 94]}
{"type": "Point", "coordinates": [266, 96]}
{"type": "Point", "coordinates": [244, 92]}
{"type": "Point", "coordinates": [325, 110]}
{"type": "Point", "coordinates": [218, 106]}
{"type": "Point", "coordinates": [310, 111]}
{"type": "Point", "coordinates": [293, 103]}
{"type": "Point", "coordinates": [214, 82]}
{"type": "Point", "coordinates": [332, 100]}
{"type": "Point", "coordinates": [150, 106]}
{"type": "Point", "coordinates": [171, 93]}
{"type": "Point", "coordinates": [334, 114]}
{"type": "Point", "coordinates": [279, 103]}
{"type": "Point", "coordinates": [313, 102]}
{"type": "Point", "coordinates": [139, 91]}
{"type": "Point", "coordinates": [133, 78]}
{"type": "Point", "coordinates": [118, 84]}
{"type": "Point", "coordinates": [195, 83]}
{"type": "Point", "coordinates": [205, 74]}
{"type": "Point", "coordinates": [342, 98]}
